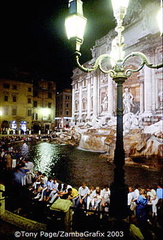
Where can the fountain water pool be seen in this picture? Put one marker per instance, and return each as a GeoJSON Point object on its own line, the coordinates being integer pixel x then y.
{"type": "Point", "coordinates": [72, 165]}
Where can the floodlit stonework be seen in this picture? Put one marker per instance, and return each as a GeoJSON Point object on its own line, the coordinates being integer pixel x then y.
{"type": "Point", "coordinates": [94, 94]}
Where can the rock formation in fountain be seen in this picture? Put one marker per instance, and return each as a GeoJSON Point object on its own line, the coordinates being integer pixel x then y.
{"type": "Point", "coordinates": [99, 134]}
{"type": "Point", "coordinates": [138, 141]}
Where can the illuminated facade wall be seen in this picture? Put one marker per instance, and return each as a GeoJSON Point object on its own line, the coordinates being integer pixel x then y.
{"type": "Point", "coordinates": [44, 105]}
{"type": "Point", "coordinates": [94, 94]}
{"type": "Point", "coordinates": [63, 108]}
{"type": "Point", "coordinates": [16, 105]}
{"type": "Point", "coordinates": [27, 106]}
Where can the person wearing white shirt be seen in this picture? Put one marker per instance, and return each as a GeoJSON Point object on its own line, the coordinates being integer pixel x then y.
{"type": "Point", "coordinates": [90, 195]}
{"type": "Point", "coordinates": [47, 190]}
{"type": "Point", "coordinates": [105, 193]}
{"type": "Point", "coordinates": [83, 194]}
{"type": "Point", "coordinates": [42, 184]}
{"type": "Point", "coordinates": [153, 200]}
{"type": "Point", "coordinates": [137, 191]}
{"type": "Point", "coordinates": [29, 165]}
{"type": "Point", "coordinates": [131, 196]}
{"type": "Point", "coordinates": [96, 198]}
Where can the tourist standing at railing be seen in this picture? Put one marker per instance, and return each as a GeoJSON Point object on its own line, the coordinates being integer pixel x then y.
{"type": "Point", "coordinates": [30, 166]}
{"type": "Point", "coordinates": [130, 200]}
{"type": "Point", "coordinates": [17, 177]}
{"type": "Point", "coordinates": [152, 202]}
{"type": "Point", "coordinates": [2, 153]}
{"type": "Point", "coordinates": [159, 191]}
{"type": "Point", "coordinates": [141, 208]}
{"type": "Point", "coordinates": [136, 191]}
{"type": "Point", "coordinates": [8, 160]}
{"type": "Point", "coordinates": [24, 171]}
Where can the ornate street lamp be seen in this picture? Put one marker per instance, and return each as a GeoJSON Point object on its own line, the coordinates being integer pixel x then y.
{"type": "Point", "coordinates": [119, 190]}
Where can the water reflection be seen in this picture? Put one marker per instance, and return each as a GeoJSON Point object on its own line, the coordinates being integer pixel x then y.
{"type": "Point", "coordinates": [45, 156]}
{"type": "Point", "coordinates": [72, 165]}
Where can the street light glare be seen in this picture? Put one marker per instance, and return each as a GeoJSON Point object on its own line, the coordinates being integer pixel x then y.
{"type": "Point", "coordinates": [116, 53]}
{"type": "Point", "coordinates": [75, 23]}
{"type": "Point", "coordinates": [46, 111]}
{"type": "Point", "coordinates": [75, 26]}
{"type": "Point", "coordinates": [119, 4]}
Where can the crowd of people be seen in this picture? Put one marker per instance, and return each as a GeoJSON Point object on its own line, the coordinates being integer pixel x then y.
{"type": "Point", "coordinates": [144, 203]}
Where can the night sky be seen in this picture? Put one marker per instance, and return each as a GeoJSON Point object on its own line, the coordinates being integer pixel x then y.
{"type": "Point", "coordinates": [33, 36]}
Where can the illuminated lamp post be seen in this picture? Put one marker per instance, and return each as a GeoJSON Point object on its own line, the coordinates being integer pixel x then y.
{"type": "Point", "coordinates": [75, 24]}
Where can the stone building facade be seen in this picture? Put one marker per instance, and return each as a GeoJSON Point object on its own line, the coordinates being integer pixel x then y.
{"type": "Point", "coordinates": [44, 105]}
{"type": "Point", "coordinates": [94, 93]}
{"type": "Point", "coordinates": [27, 105]}
{"type": "Point", "coordinates": [63, 108]}
{"type": "Point", "coordinates": [16, 105]}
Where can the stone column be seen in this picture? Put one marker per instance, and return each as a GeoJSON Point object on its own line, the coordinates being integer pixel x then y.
{"type": "Point", "coordinates": [95, 95]}
{"type": "Point", "coordinates": [73, 103]}
{"type": "Point", "coordinates": [110, 96]}
{"type": "Point", "coordinates": [147, 91]}
{"type": "Point", "coordinates": [141, 76]}
{"type": "Point", "coordinates": [159, 88]}
{"type": "Point", "coordinates": [153, 96]}
{"type": "Point", "coordinates": [80, 101]}
{"type": "Point", "coordinates": [88, 97]}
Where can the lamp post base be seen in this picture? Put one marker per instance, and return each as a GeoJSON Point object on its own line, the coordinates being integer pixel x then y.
{"type": "Point", "coordinates": [118, 201]}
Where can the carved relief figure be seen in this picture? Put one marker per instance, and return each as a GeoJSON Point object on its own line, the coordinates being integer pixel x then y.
{"type": "Point", "coordinates": [160, 98]}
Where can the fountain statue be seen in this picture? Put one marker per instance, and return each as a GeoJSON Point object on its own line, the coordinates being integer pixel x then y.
{"type": "Point", "coordinates": [127, 101]}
